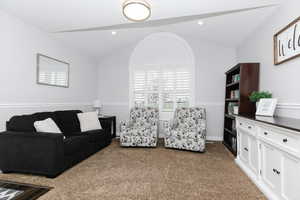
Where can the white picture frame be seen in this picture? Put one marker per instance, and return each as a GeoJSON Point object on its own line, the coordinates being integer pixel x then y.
{"type": "Point", "coordinates": [266, 107]}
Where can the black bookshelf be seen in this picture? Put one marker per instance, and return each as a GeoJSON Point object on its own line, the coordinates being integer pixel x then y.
{"type": "Point", "coordinates": [241, 81]}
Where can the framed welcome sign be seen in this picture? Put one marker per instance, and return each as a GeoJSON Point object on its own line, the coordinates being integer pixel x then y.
{"type": "Point", "coordinates": [287, 43]}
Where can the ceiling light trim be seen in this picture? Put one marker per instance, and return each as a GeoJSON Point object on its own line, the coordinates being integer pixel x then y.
{"type": "Point", "coordinates": [140, 3]}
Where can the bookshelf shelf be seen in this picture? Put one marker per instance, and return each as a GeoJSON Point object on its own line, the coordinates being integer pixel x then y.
{"type": "Point", "coordinates": [241, 81]}
{"type": "Point", "coordinates": [232, 99]}
{"type": "Point", "coordinates": [233, 133]}
{"type": "Point", "coordinates": [233, 84]}
{"type": "Point", "coordinates": [230, 116]}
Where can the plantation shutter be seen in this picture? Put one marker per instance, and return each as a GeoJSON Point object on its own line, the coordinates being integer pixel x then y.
{"type": "Point", "coordinates": [164, 87]}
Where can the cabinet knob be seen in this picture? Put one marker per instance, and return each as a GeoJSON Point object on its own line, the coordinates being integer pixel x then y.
{"type": "Point", "coordinates": [285, 140]}
{"type": "Point", "coordinates": [241, 124]}
{"type": "Point", "coordinates": [278, 172]}
{"type": "Point", "coordinates": [266, 133]}
{"type": "Point", "coordinates": [246, 149]}
{"type": "Point", "coordinates": [249, 127]}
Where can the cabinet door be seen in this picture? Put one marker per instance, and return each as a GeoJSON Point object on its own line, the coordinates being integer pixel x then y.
{"type": "Point", "coordinates": [290, 178]}
{"type": "Point", "coordinates": [271, 168]}
{"type": "Point", "coordinates": [253, 159]}
{"type": "Point", "coordinates": [244, 147]}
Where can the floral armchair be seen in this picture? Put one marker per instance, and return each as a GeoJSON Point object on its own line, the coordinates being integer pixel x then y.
{"type": "Point", "coordinates": [142, 128]}
{"type": "Point", "coordinates": [187, 130]}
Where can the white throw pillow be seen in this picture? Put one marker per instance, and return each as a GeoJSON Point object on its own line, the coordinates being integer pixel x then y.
{"type": "Point", "coordinates": [89, 121]}
{"type": "Point", "coordinates": [47, 126]}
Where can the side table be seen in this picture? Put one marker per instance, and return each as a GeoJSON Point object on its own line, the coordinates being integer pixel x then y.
{"type": "Point", "coordinates": [109, 122]}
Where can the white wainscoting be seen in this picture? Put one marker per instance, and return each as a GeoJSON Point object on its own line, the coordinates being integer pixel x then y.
{"type": "Point", "coordinates": [215, 117]}
{"type": "Point", "coordinates": [8, 110]}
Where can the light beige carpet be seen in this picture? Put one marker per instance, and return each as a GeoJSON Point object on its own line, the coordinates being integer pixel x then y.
{"type": "Point", "coordinates": [117, 173]}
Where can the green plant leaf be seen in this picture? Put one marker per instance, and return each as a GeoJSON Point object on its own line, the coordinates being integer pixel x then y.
{"type": "Point", "coordinates": [256, 96]}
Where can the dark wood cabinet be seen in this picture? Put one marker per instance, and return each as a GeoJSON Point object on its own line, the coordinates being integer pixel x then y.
{"type": "Point", "coordinates": [241, 81]}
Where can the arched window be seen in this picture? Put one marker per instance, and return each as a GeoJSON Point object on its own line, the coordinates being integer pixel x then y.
{"type": "Point", "coordinates": [165, 87]}
{"type": "Point", "coordinates": [166, 80]}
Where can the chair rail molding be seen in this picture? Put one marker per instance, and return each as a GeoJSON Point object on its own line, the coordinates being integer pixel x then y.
{"type": "Point", "coordinates": [291, 110]}
{"type": "Point", "coordinates": [293, 106]}
{"type": "Point", "coordinates": [196, 104]}
{"type": "Point", "coordinates": [37, 105]}
{"type": "Point", "coordinates": [115, 103]}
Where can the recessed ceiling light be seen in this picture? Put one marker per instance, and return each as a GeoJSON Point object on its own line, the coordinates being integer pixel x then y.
{"type": "Point", "coordinates": [113, 32]}
{"type": "Point", "coordinates": [200, 22]}
{"type": "Point", "coordinates": [136, 10]}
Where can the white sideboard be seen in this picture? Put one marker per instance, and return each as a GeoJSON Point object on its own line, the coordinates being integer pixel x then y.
{"type": "Point", "coordinates": [269, 153]}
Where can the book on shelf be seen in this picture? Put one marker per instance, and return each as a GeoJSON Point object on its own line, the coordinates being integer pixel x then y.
{"type": "Point", "coordinates": [231, 108]}
{"type": "Point", "coordinates": [233, 144]}
{"type": "Point", "coordinates": [236, 78]}
{"type": "Point", "coordinates": [234, 94]}
{"type": "Point", "coordinates": [233, 125]}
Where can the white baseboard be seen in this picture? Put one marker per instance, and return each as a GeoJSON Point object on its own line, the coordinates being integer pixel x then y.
{"type": "Point", "coordinates": [266, 191]}
{"type": "Point", "coordinates": [214, 138]}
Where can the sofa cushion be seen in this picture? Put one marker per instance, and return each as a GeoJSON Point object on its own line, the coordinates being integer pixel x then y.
{"type": "Point", "coordinates": [25, 123]}
{"type": "Point", "coordinates": [68, 121]}
{"type": "Point", "coordinates": [89, 121]}
{"type": "Point", "coordinates": [96, 136]}
{"type": "Point", "coordinates": [73, 145]}
{"type": "Point", "coordinates": [46, 126]}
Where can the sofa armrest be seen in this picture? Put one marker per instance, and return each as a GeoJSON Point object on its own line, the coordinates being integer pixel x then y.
{"type": "Point", "coordinates": [41, 153]}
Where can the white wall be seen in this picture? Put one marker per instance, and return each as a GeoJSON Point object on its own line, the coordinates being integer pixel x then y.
{"type": "Point", "coordinates": [282, 80]}
{"type": "Point", "coordinates": [211, 62]}
{"type": "Point", "coordinates": [19, 93]}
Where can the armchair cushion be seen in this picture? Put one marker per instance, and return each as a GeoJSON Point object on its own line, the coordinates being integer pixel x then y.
{"type": "Point", "coordinates": [140, 131]}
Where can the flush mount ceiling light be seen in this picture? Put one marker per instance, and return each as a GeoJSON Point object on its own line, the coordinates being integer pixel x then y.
{"type": "Point", "coordinates": [136, 10]}
{"type": "Point", "coordinates": [200, 22]}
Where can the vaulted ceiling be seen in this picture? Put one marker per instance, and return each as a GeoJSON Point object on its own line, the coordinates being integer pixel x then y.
{"type": "Point", "coordinates": [56, 15]}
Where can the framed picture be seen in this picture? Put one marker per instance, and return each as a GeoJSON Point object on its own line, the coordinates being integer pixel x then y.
{"type": "Point", "coordinates": [266, 107]}
{"type": "Point", "coordinates": [287, 43]}
{"type": "Point", "coordinates": [52, 72]}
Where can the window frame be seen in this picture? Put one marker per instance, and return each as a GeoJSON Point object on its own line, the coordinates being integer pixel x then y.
{"type": "Point", "coordinates": [164, 114]}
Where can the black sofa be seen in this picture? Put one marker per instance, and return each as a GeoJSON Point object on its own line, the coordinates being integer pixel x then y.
{"type": "Point", "coordinates": [23, 150]}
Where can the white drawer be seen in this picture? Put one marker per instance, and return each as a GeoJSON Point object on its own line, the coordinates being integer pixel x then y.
{"type": "Point", "coordinates": [247, 126]}
{"type": "Point", "coordinates": [284, 140]}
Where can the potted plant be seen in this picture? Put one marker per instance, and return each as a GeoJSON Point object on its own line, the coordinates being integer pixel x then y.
{"type": "Point", "coordinates": [256, 96]}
